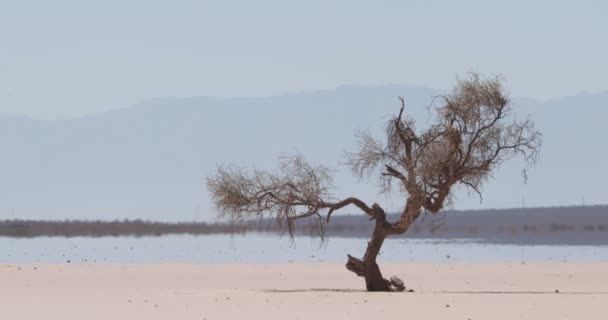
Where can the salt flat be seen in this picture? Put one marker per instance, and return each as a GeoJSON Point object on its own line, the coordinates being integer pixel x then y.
{"type": "Point", "coordinates": [302, 291]}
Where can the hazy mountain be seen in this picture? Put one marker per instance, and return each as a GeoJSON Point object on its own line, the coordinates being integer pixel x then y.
{"type": "Point", "coordinates": [149, 161]}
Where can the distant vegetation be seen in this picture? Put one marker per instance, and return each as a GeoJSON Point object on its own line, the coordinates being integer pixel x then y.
{"type": "Point", "coordinates": [560, 225]}
{"type": "Point", "coordinates": [138, 228]}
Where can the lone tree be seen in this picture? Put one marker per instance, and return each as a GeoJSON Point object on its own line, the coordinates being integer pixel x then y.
{"type": "Point", "coordinates": [474, 131]}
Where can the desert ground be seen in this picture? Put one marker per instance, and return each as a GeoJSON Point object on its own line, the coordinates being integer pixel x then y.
{"type": "Point", "coordinates": [302, 291]}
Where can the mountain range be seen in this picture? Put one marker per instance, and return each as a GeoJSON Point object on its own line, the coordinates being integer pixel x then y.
{"type": "Point", "coordinates": [149, 161]}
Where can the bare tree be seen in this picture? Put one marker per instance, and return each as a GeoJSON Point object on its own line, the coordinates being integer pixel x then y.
{"type": "Point", "coordinates": [473, 132]}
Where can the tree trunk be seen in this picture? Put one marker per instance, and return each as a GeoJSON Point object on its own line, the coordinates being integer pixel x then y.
{"type": "Point", "coordinates": [368, 268]}
{"type": "Point", "coordinates": [373, 277]}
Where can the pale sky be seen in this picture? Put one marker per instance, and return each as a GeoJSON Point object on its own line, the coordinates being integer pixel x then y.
{"type": "Point", "coordinates": [68, 58]}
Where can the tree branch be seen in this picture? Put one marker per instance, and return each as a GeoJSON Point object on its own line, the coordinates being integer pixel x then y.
{"type": "Point", "coordinates": [348, 201]}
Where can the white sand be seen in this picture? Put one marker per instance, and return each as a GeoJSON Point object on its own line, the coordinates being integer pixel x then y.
{"type": "Point", "coordinates": [299, 291]}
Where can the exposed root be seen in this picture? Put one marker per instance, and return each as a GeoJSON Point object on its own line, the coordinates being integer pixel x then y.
{"type": "Point", "coordinates": [373, 278]}
{"type": "Point", "coordinates": [397, 284]}
{"type": "Point", "coordinates": [355, 265]}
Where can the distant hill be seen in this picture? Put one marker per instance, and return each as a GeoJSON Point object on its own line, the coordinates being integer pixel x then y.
{"type": "Point", "coordinates": [149, 161]}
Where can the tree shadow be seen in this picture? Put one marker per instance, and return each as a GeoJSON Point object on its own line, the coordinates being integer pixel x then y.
{"type": "Point", "coordinates": [331, 290]}
{"type": "Point", "coordinates": [523, 292]}
{"type": "Point", "coordinates": [313, 290]}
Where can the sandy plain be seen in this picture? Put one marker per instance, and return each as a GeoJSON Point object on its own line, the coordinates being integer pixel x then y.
{"type": "Point", "coordinates": [302, 291]}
